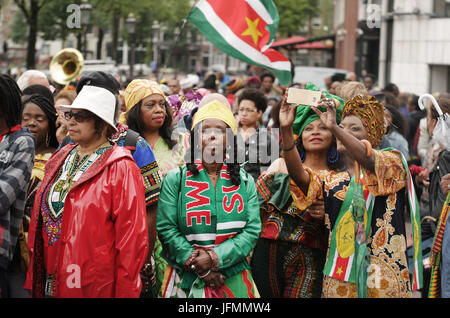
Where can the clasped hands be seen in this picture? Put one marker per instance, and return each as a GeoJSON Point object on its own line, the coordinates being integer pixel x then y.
{"type": "Point", "coordinates": [201, 263]}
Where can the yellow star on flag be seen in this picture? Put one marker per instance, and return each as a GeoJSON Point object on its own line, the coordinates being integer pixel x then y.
{"type": "Point", "coordinates": [252, 30]}
{"type": "Point", "coordinates": [339, 271]}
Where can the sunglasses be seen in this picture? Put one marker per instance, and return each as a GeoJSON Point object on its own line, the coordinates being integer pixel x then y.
{"type": "Point", "coordinates": [79, 117]}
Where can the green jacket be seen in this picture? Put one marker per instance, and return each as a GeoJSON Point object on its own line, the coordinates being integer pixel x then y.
{"type": "Point", "coordinates": [172, 230]}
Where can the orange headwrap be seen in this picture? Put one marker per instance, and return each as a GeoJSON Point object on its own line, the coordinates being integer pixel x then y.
{"type": "Point", "coordinates": [371, 114]}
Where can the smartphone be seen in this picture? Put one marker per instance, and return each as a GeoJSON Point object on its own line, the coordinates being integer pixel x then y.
{"type": "Point", "coordinates": [303, 97]}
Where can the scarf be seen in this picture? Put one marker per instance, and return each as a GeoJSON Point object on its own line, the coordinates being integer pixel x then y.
{"type": "Point", "coordinates": [208, 224]}
{"type": "Point", "coordinates": [9, 132]}
{"type": "Point", "coordinates": [208, 217]}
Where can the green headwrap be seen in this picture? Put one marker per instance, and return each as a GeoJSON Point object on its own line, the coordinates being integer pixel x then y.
{"type": "Point", "coordinates": [305, 115]}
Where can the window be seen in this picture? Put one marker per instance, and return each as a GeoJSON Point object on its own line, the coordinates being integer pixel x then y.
{"type": "Point", "coordinates": [220, 58]}
{"type": "Point", "coordinates": [205, 60]}
{"type": "Point", "coordinates": [442, 8]}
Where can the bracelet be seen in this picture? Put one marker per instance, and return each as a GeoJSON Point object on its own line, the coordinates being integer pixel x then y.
{"type": "Point", "coordinates": [289, 149]}
{"type": "Point", "coordinates": [203, 276]}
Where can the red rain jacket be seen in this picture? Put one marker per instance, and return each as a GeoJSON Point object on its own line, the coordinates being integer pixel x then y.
{"type": "Point", "coordinates": [104, 234]}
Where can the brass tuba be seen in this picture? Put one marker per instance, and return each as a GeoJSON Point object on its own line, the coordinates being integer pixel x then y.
{"type": "Point", "coordinates": [66, 66]}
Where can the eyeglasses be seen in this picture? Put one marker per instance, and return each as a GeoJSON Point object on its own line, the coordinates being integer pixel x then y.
{"type": "Point", "coordinates": [247, 110]}
{"type": "Point", "coordinates": [79, 117]}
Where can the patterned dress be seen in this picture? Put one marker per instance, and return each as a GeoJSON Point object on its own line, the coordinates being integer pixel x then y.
{"type": "Point", "coordinates": [170, 158]}
{"type": "Point", "coordinates": [388, 270]}
{"type": "Point", "coordinates": [290, 254]}
{"type": "Point", "coordinates": [145, 160]}
{"type": "Point", "coordinates": [21, 258]}
{"type": "Point", "coordinates": [167, 159]}
{"type": "Point", "coordinates": [37, 175]}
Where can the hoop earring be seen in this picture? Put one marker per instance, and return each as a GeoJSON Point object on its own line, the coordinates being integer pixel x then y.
{"type": "Point", "coordinates": [333, 155]}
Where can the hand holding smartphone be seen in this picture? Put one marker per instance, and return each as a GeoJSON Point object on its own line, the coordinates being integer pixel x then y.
{"type": "Point", "coordinates": [303, 97]}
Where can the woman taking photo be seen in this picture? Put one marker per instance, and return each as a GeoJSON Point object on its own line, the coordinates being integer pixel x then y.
{"type": "Point", "coordinates": [290, 255]}
{"type": "Point", "coordinates": [208, 215]}
{"type": "Point", "coordinates": [89, 215]}
{"type": "Point", "coordinates": [371, 260]}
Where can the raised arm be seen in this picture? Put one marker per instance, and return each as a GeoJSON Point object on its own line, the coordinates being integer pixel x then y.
{"type": "Point", "coordinates": [356, 149]}
{"type": "Point", "coordinates": [291, 156]}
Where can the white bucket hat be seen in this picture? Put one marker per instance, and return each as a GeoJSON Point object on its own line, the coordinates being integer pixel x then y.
{"type": "Point", "coordinates": [98, 101]}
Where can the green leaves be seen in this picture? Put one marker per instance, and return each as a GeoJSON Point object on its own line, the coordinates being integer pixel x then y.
{"type": "Point", "coordinates": [53, 16]}
{"type": "Point", "coordinates": [294, 14]}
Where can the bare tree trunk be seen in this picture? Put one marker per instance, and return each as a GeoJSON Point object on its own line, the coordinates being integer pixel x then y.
{"type": "Point", "coordinates": [115, 34]}
{"type": "Point", "coordinates": [32, 36]}
{"type": "Point", "coordinates": [101, 34]}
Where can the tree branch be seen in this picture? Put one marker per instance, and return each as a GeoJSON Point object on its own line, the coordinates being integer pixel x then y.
{"type": "Point", "coordinates": [23, 8]}
{"type": "Point", "coordinates": [43, 3]}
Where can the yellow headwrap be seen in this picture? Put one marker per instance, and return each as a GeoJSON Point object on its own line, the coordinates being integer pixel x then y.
{"type": "Point", "coordinates": [136, 91]}
{"type": "Point", "coordinates": [216, 110]}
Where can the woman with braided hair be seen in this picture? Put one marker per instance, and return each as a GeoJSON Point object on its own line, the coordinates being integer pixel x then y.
{"type": "Point", "coordinates": [208, 215]}
{"type": "Point", "coordinates": [39, 116]}
{"type": "Point", "coordinates": [364, 209]}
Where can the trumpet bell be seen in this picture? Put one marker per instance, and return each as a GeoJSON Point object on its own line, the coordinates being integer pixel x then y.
{"type": "Point", "coordinates": [66, 66]}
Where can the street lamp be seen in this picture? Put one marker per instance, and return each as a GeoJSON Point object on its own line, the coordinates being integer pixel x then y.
{"type": "Point", "coordinates": [131, 28]}
{"type": "Point", "coordinates": [86, 12]}
{"type": "Point", "coordinates": [155, 28]}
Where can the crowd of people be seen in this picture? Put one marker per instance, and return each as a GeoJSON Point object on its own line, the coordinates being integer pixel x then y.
{"type": "Point", "coordinates": [216, 187]}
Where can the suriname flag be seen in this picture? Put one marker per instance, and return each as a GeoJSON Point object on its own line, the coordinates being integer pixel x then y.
{"type": "Point", "coordinates": [245, 30]}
